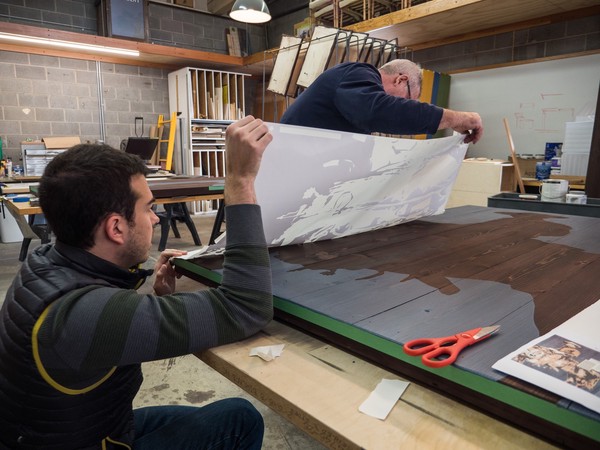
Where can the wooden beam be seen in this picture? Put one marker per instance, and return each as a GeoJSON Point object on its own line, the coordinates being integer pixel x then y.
{"type": "Point", "coordinates": [151, 55]}
{"type": "Point", "coordinates": [513, 156]}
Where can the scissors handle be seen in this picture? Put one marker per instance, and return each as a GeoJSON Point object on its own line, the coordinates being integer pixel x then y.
{"type": "Point", "coordinates": [423, 346]}
{"type": "Point", "coordinates": [433, 348]}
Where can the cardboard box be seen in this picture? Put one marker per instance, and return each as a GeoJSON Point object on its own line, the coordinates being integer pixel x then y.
{"type": "Point", "coordinates": [527, 165]}
{"type": "Point", "coordinates": [479, 178]}
{"type": "Point", "coordinates": [61, 142]}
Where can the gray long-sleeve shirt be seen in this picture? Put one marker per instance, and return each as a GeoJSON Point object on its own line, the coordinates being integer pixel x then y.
{"type": "Point", "coordinates": [85, 333]}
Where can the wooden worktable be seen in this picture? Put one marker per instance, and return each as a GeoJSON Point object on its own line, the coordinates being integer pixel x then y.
{"type": "Point", "coordinates": [472, 266]}
{"type": "Point", "coordinates": [576, 183]}
{"type": "Point", "coordinates": [25, 208]}
{"type": "Point", "coordinates": [319, 388]}
{"type": "Point", "coordinates": [16, 188]}
{"type": "Point", "coordinates": [22, 208]}
{"type": "Point", "coordinates": [170, 190]}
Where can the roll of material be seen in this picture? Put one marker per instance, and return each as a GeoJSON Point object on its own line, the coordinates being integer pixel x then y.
{"type": "Point", "coordinates": [554, 190]}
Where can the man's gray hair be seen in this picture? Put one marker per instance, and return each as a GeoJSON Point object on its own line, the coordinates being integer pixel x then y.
{"type": "Point", "coordinates": [406, 67]}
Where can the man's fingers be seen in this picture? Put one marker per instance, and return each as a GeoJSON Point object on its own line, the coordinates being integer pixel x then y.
{"type": "Point", "coordinates": [258, 131]}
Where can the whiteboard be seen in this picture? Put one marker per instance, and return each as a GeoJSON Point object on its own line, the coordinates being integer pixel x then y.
{"type": "Point", "coordinates": [537, 99]}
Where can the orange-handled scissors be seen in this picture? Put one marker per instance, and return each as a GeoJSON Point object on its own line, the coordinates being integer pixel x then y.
{"type": "Point", "coordinates": [433, 348]}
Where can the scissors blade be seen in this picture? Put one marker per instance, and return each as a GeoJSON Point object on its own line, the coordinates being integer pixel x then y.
{"type": "Point", "coordinates": [486, 332]}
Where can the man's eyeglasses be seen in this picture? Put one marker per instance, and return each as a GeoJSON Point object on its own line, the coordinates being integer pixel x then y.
{"type": "Point", "coordinates": [407, 86]}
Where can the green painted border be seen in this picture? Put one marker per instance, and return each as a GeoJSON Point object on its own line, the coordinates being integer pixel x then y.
{"type": "Point", "coordinates": [198, 270]}
{"type": "Point", "coordinates": [526, 402]}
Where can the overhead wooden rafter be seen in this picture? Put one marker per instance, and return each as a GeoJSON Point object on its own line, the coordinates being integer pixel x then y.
{"type": "Point", "coordinates": [341, 13]}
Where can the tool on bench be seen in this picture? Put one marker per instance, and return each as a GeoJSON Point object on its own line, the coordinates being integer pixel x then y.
{"type": "Point", "coordinates": [434, 348]}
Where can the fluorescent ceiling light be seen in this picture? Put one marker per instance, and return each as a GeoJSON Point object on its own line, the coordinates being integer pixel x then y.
{"type": "Point", "coordinates": [66, 44]}
{"type": "Point", "coordinates": [250, 11]}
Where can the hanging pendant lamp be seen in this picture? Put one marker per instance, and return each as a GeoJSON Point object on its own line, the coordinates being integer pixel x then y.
{"type": "Point", "coordinates": [250, 11]}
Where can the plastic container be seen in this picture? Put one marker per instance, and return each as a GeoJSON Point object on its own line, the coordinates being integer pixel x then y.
{"type": "Point", "coordinates": [18, 170]}
{"type": "Point", "coordinates": [542, 170]}
{"type": "Point", "coordinates": [9, 229]}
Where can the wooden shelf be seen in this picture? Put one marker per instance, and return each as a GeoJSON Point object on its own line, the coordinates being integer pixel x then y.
{"type": "Point", "coordinates": [150, 54]}
{"type": "Point", "coordinates": [435, 22]}
{"type": "Point", "coordinates": [440, 22]}
{"type": "Point", "coordinates": [575, 182]}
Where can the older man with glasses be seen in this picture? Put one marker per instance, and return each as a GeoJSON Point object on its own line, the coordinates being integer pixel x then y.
{"type": "Point", "coordinates": [359, 98]}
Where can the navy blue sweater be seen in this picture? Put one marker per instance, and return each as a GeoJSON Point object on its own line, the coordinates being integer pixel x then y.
{"type": "Point", "coordinates": [350, 97]}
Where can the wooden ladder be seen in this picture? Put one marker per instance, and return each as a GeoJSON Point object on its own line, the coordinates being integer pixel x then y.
{"type": "Point", "coordinates": [168, 159]}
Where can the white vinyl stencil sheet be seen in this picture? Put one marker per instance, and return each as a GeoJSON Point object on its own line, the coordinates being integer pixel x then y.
{"type": "Point", "coordinates": [318, 184]}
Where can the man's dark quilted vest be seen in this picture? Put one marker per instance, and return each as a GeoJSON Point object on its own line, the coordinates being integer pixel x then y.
{"type": "Point", "coordinates": [33, 414]}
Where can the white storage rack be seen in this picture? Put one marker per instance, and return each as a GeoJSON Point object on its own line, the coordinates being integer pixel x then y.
{"type": "Point", "coordinates": [208, 101]}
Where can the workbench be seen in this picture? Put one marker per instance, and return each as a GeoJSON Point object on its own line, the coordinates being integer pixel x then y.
{"type": "Point", "coordinates": [319, 388]}
{"type": "Point", "coordinates": [167, 191]}
{"type": "Point", "coordinates": [472, 266]}
{"type": "Point", "coordinates": [533, 185]}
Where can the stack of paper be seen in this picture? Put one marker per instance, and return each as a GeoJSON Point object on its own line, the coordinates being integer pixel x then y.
{"type": "Point", "coordinates": [576, 147]}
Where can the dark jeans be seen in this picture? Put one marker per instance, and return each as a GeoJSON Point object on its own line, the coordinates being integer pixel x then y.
{"type": "Point", "coordinates": [226, 424]}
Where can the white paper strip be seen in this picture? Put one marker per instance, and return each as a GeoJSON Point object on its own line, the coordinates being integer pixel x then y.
{"type": "Point", "coordinates": [381, 401]}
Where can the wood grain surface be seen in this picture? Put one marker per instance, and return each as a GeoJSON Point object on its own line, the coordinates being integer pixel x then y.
{"type": "Point", "coordinates": [472, 266]}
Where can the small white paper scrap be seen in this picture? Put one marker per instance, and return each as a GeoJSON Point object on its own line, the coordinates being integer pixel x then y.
{"type": "Point", "coordinates": [381, 401]}
{"type": "Point", "coordinates": [267, 352]}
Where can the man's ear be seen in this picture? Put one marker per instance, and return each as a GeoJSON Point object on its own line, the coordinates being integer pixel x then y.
{"type": "Point", "coordinates": [115, 227]}
{"type": "Point", "coordinates": [398, 79]}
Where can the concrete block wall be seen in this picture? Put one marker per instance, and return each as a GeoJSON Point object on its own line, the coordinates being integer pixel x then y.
{"type": "Point", "coordinates": [556, 39]}
{"type": "Point", "coordinates": [69, 15]}
{"type": "Point", "coordinates": [51, 96]}
{"type": "Point", "coordinates": [168, 24]}
{"type": "Point", "coordinates": [182, 27]}
{"type": "Point", "coordinates": [61, 96]}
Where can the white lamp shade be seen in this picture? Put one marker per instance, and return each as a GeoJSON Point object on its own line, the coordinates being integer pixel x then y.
{"type": "Point", "coordinates": [250, 11]}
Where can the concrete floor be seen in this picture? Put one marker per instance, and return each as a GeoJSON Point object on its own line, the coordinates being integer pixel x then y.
{"type": "Point", "coordinates": [183, 380]}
